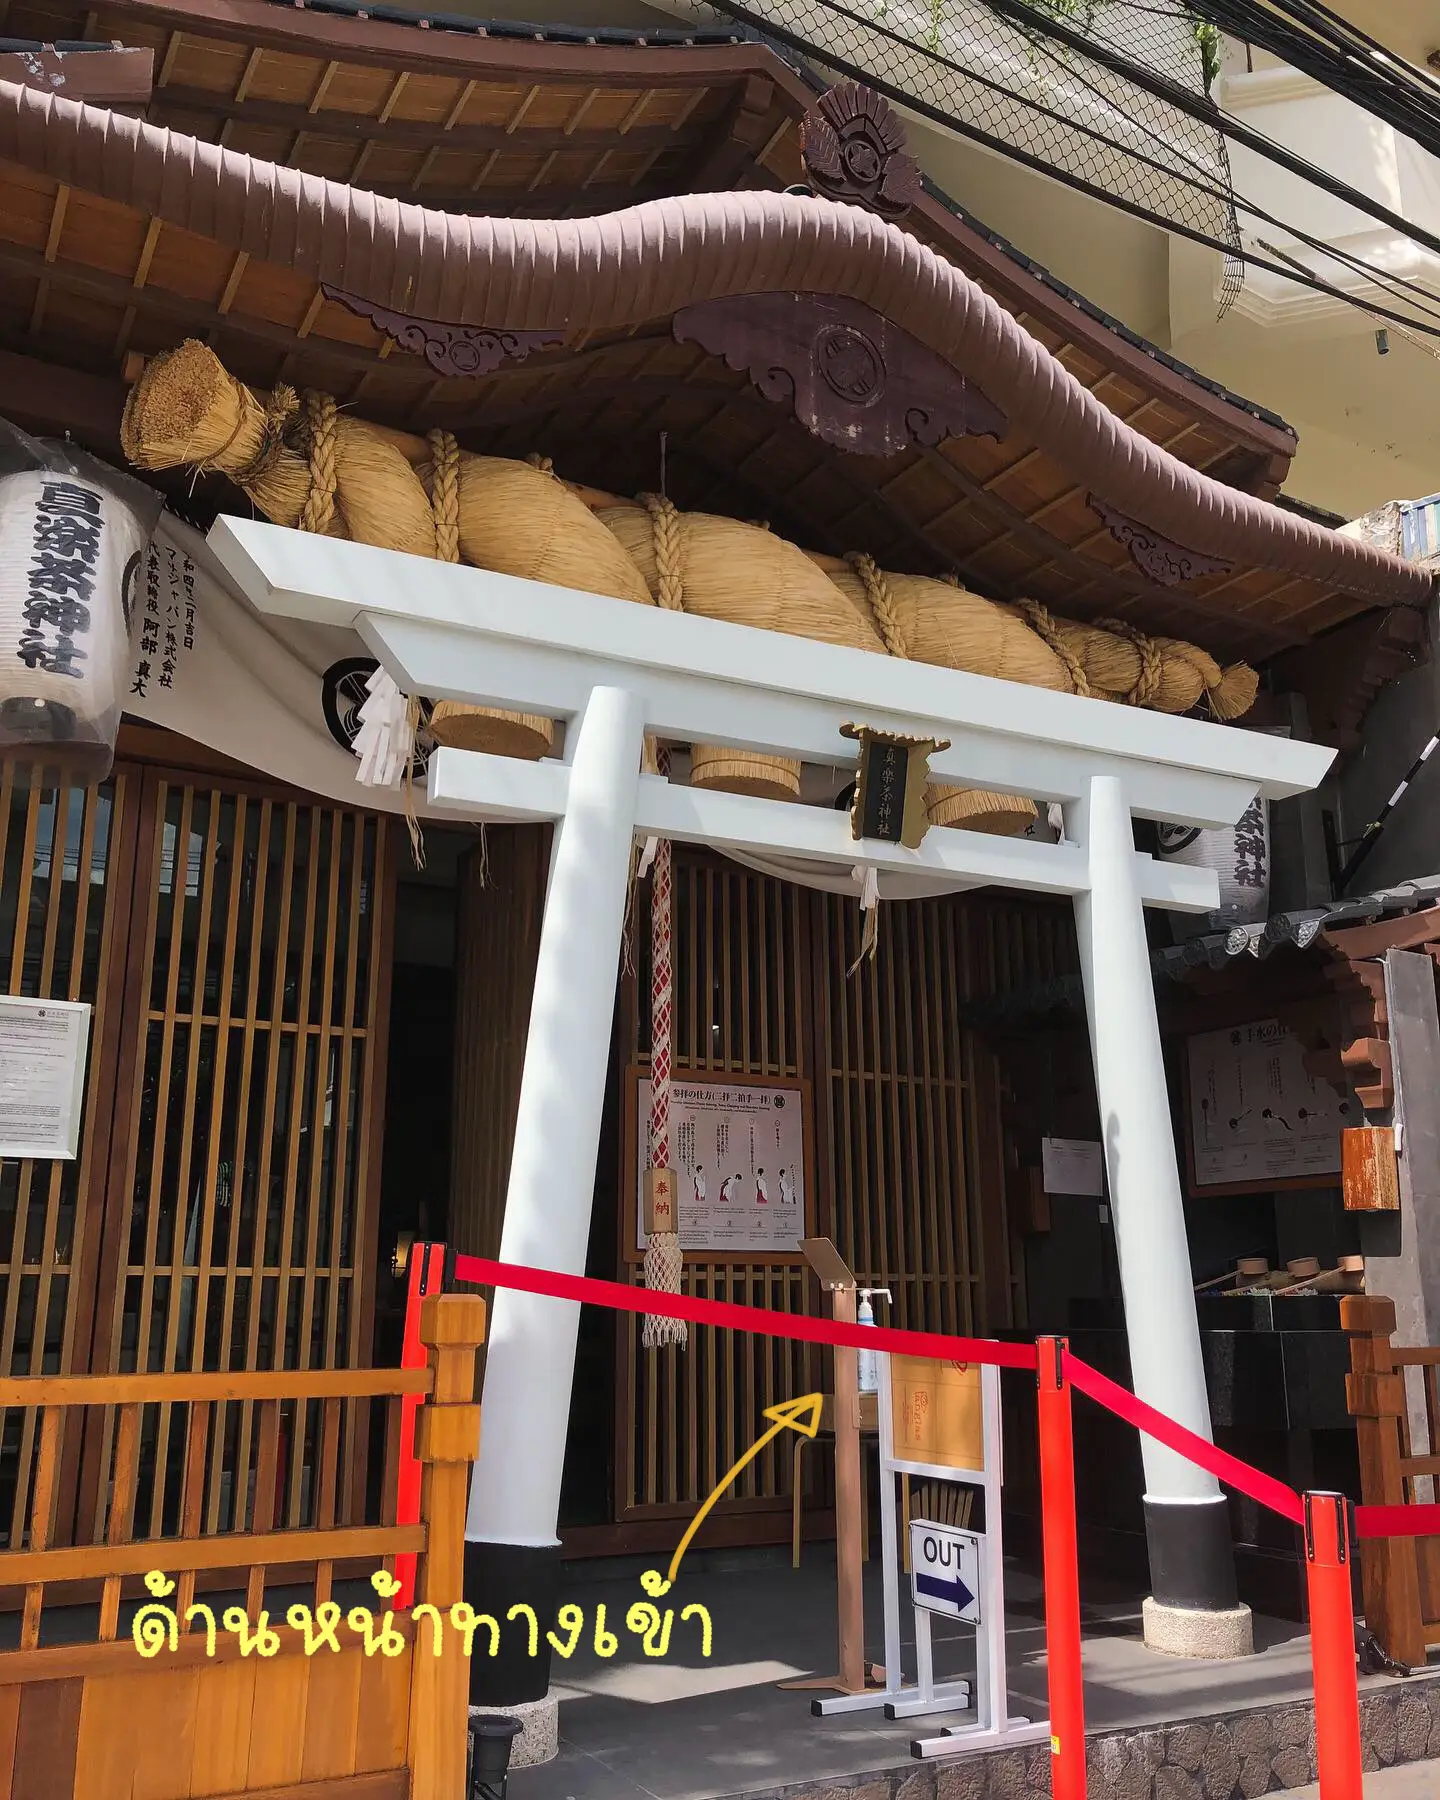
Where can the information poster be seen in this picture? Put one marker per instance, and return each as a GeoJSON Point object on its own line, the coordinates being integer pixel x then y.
{"type": "Point", "coordinates": [739, 1157]}
{"type": "Point", "coordinates": [43, 1048]}
{"type": "Point", "coordinates": [937, 1412]}
{"type": "Point", "coordinates": [1256, 1114]}
{"type": "Point", "coordinates": [1073, 1166]}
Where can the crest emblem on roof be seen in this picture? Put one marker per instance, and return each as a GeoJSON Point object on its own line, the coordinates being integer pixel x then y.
{"type": "Point", "coordinates": [853, 147]}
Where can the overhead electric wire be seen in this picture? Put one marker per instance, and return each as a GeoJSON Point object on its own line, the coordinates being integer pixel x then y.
{"type": "Point", "coordinates": [1383, 278]}
{"type": "Point", "coordinates": [1340, 54]}
{"type": "Point", "coordinates": [903, 97]}
{"type": "Point", "coordinates": [1024, 16]}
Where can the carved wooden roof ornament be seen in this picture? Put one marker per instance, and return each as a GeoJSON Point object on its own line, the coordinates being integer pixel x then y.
{"type": "Point", "coordinates": [449, 349]}
{"type": "Point", "coordinates": [1165, 562]}
{"type": "Point", "coordinates": [853, 147]}
{"type": "Point", "coordinates": [853, 379]}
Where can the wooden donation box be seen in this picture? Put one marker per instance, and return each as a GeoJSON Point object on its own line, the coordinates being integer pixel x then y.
{"type": "Point", "coordinates": [937, 1412]}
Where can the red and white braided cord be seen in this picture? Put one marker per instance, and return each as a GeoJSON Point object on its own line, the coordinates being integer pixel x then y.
{"type": "Point", "coordinates": [662, 1004]}
{"type": "Point", "coordinates": [663, 1262]}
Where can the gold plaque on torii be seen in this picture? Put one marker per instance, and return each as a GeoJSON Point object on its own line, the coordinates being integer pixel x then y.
{"type": "Point", "coordinates": [889, 803]}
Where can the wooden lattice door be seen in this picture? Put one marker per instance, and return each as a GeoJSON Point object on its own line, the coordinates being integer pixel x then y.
{"type": "Point", "coordinates": [66, 862]}
{"type": "Point", "coordinates": [241, 1199]}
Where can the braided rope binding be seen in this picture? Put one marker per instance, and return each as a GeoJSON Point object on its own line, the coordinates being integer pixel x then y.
{"type": "Point", "coordinates": [880, 600]}
{"type": "Point", "coordinates": [1039, 620]}
{"type": "Point", "coordinates": [1152, 660]}
{"type": "Point", "coordinates": [663, 1261]}
{"type": "Point", "coordinates": [279, 410]}
{"type": "Point", "coordinates": [445, 494]}
{"type": "Point", "coordinates": [665, 537]}
{"type": "Point", "coordinates": [319, 509]}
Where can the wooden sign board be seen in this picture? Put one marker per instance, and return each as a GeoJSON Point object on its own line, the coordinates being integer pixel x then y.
{"type": "Point", "coordinates": [937, 1413]}
{"type": "Point", "coordinates": [1370, 1179]}
{"type": "Point", "coordinates": [1257, 1120]}
{"type": "Point", "coordinates": [740, 1159]}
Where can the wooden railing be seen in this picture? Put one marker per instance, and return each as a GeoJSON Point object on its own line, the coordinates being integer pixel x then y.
{"type": "Point", "coordinates": [395, 1719]}
{"type": "Point", "coordinates": [1400, 1577]}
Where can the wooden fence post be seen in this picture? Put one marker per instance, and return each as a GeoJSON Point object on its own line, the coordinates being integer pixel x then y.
{"type": "Point", "coordinates": [1375, 1393]}
{"type": "Point", "coordinates": [447, 1439]}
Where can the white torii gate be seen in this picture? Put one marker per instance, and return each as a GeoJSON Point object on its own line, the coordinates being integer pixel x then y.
{"type": "Point", "coordinates": [611, 671]}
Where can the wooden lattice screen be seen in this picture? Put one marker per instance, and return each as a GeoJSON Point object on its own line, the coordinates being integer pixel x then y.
{"type": "Point", "coordinates": [223, 1214]}
{"type": "Point", "coordinates": [740, 978]}
{"type": "Point", "coordinates": [908, 1173]}
{"type": "Point", "coordinates": [64, 895]}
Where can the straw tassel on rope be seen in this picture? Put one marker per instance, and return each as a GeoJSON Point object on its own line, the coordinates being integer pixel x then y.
{"type": "Point", "coordinates": [664, 1263]}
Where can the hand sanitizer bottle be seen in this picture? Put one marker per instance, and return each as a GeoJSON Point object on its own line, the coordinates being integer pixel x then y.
{"type": "Point", "coordinates": [869, 1366]}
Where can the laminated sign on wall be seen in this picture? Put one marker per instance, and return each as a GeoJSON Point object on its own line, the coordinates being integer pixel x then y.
{"type": "Point", "coordinates": [43, 1049]}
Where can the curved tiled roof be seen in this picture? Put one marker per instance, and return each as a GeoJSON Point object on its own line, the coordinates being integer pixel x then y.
{"type": "Point", "coordinates": [627, 268]}
{"type": "Point", "coordinates": [226, 72]}
{"type": "Point", "coordinates": [740, 31]}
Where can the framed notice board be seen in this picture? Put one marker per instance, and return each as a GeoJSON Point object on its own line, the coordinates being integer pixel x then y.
{"type": "Point", "coordinates": [1255, 1118]}
{"type": "Point", "coordinates": [740, 1146]}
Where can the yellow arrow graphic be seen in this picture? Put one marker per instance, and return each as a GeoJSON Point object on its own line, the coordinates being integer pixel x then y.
{"type": "Point", "coordinates": [802, 1415]}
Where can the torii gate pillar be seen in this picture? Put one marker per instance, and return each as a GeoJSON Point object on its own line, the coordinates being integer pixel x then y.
{"type": "Point", "coordinates": [1193, 1609]}
{"type": "Point", "coordinates": [512, 1550]}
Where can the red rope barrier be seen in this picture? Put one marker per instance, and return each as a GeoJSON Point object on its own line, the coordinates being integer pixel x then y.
{"type": "Point", "coordinates": [621, 1297]}
{"type": "Point", "coordinates": [1397, 1521]}
{"type": "Point", "coordinates": [1252, 1482]}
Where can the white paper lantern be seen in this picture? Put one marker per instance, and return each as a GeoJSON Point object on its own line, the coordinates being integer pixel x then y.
{"type": "Point", "coordinates": [70, 552]}
{"type": "Point", "coordinates": [1239, 854]}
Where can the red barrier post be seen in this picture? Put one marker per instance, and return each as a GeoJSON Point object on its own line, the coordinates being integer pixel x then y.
{"type": "Point", "coordinates": [1332, 1647]}
{"type": "Point", "coordinates": [425, 1271]}
{"type": "Point", "coordinates": [1062, 1574]}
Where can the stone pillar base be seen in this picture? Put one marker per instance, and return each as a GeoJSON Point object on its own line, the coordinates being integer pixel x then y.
{"type": "Point", "coordinates": [538, 1740]}
{"type": "Point", "coordinates": [1187, 1631]}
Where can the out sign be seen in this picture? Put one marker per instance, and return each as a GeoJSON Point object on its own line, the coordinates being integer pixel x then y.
{"type": "Point", "coordinates": [945, 1570]}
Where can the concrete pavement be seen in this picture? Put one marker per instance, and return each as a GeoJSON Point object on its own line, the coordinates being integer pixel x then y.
{"type": "Point", "coordinates": [1415, 1781]}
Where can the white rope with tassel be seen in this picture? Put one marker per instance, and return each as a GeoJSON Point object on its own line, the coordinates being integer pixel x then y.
{"type": "Point", "coordinates": [664, 1264]}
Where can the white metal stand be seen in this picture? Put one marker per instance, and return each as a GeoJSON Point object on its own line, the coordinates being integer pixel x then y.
{"type": "Point", "coordinates": [988, 1693]}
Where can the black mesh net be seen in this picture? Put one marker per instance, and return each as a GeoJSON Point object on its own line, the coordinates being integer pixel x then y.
{"type": "Point", "coordinates": [1047, 101]}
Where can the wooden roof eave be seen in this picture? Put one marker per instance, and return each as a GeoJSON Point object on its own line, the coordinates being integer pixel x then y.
{"type": "Point", "coordinates": [614, 273]}
{"type": "Point", "coordinates": [301, 30]}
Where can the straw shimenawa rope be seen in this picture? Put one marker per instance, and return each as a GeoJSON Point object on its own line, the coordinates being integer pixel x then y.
{"type": "Point", "coordinates": [1152, 663]}
{"type": "Point", "coordinates": [882, 604]}
{"type": "Point", "coordinates": [445, 494]}
{"type": "Point", "coordinates": [1038, 618]}
{"type": "Point", "coordinates": [669, 588]}
{"type": "Point", "coordinates": [308, 464]}
{"type": "Point", "coordinates": [974, 808]}
{"type": "Point", "coordinates": [711, 765]}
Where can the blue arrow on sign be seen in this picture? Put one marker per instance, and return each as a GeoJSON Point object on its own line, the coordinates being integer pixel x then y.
{"type": "Point", "coordinates": [954, 1591]}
